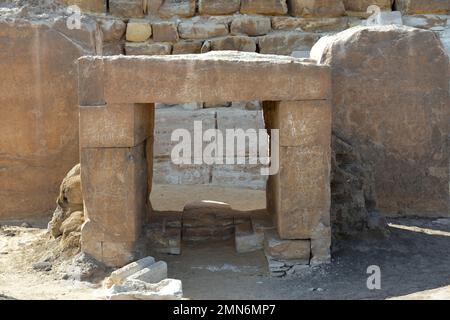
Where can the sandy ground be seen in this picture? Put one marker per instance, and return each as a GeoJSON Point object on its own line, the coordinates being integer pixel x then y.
{"type": "Point", "coordinates": [414, 262]}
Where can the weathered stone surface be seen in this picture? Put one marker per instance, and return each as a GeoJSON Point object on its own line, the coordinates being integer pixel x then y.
{"type": "Point", "coordinates": [321, 244]}
{"type": "Point", "coordinates": [165, 240]}
{"type": "Point", "coordinates": [362, 5]}
{"type": "Point", "coordinates": [246, 240]}
{"type": "Point", "coordinates": [152, 273]}
{"type": "Point", "coordinates": [276, 248]}
{"type": "Point", "coordinates": [165, 31]}
{"type": "Point", "coordinates": [243, 76]}
{"type": "Point", "coordinates": [214, 7]}
{"type": "Point", "coordinates": [127, 8]}
{"type": "Point", "coordinates": [120, 275]}
{"type": "Point", "coordinates": [245, 176]}
{"type": "Point", "coordinates": [201, 29]}
{"type": "Point", "coordinates": [316, 8]}
{"type": "Point", "coordinates": [310, 24]}
{"type": "Point", "coordinates": [167, 289]}
{"type": "Point", "coordinates": [112, 29]}
{"type": "Point", "coordinates": [388, 18]}
{"type": "Point", "coordinates": [166, 172]}
{"type": "Point", "coordinates": [181, 8]}
{"type": "Point", "coordinates": [284, 43]}
{"type": "Point", "coordinates": [114, 192]}
{"type": "Point", "coordinates": [187, 47]}
{"type": "Point", "coordinates": [423, 6]}
{"type": "Point", "coordinates": [250, 25]}
{"type": "Point", "coordinates": [138, 30]}
{"type": "Point", "coordinates": [234, 43]}
{"type": "Point", "coordinates": [268, 7]}
{"type": "Point", "coordinates": [399, 130]}
{"type": "Point", "coordinates": [299, 194]}
{"type": "Point", "coordinates": [38, 106]}
{"type": "Point", "coordinates": [148, 48]}
{"type": "Point", "coordinates": [119, 125]}
{"type": "Point", "coordinates": [87, 5]}
{"type": "Point", "coordinates": [425, 21]}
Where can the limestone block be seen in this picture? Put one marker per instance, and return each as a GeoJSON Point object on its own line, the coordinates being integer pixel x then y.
{"type": "Point", "coordinates": [250, 25]}
{"type": "Point", "coordinates": [120, 275]}
{"type": "Point", "coordinates": [87, 5]}
{"type": "Point", "coordinates": [114, 191]}
{"type": "Point", "coordinates": [362, 5]}
{"type": "Point", "coordinates": [39, 109]}
{"type": "Point", "coordinates": [113, 48]}
{"type": "Point", "coordinates": [267, 7]}
{"type": "Point", "coordinates": [148, 48]}
{"type": "Point", "coordinates": [181, 8]}
{"type": "Point", "coordinates": [138, 30]}
{"type": "Point", "coordinates": [423, 6]}
{"type": "Point", "coordinates": [152, 273]}
{"type": "Point", "coordinates": [164, 240]}
{"type": "Point", "coordinates": [276, 248]}
{"type": "Point", "coordinates": [246, 240]}
{"type": "Point", "coordinates": [242, 75]}
{"type": "Point", "coordinates": [218, 7]}
{"type": "Point", "coordinates": [321, 245]}
{"type": "Point", "coordinates": [246, 176]}
{"type": "Point", "coordinates": [234, 43]}
{"type": "Point", "coordinates": [316, 8]}
{"type": "Point", "coordinates": [284, 43]}
{"type": "Point", "coordinates": [112, 29]}
{"type": "Point", "coordinates": [187, 47]}
{"type": "Point", "coordinates": [400, 149]}
{"type": "Point", "coordinates": [115, 125]}
{"type": "Point", "coordinates": [165, 31]}
{"type": "Point", "coordinates": [167, 289]}
{"type": "Point", "coordinates": [127, 8]}
{"type": "Point", "coordinates": [306, 124]}
{"type": "Point", "coordinates": [425, 21]}
{"type": "Point", "coordinates": [202, 29]}
{"type": "Point", "coordinates": [168, 120]}
{"type": "Point", "coordinates": [166, 172]}
{"type": "Point", "coordinates": [110, 253]}
{"type": "Point", "coordinates": [310, 24]}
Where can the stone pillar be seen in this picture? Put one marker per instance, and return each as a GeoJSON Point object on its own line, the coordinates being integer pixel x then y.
{"type": "Point", "coordinates": [113, 143]}
{"type": "Point", "coordinates": [298, 196]}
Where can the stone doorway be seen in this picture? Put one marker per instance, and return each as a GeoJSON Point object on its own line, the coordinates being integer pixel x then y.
{"type": "Point", "coordinates": [117, 96]}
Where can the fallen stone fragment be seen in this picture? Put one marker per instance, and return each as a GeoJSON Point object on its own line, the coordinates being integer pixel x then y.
{"type": "Point", "coordinates": [167, 289]}
{"type": "Point", "coordinates": [154, 273]}
{"type": "Point", "coordinates": [119, 275]}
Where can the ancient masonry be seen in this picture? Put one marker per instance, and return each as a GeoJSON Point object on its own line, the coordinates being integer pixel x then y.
{"type": "Point", "coordinates": [116, 136]}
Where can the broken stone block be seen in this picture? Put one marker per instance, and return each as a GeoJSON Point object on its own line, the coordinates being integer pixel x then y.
{"type": "Point", "coordinates": [278, 249]}
{"type": "Point", "coordinates": [126, 8]}
{"type": "Point", "coordinates": [167, 289]}
{"type": "Point", "coordinates": [165, 31]}
{"type": "Point", "coordinates": [215, 7]}
{"type": "Point", "coordinates": [362, 5]}
{"type": "Point", "coordinates": [321, 244]}
{"type": "Point", "coordinates": [138, 30]}
{"type": "Point", "coordinates": [181, 8]}
{"type": "Point", "coordinates": [284, 43]}
{"type": "Point", "coordinates": [316, 8]}
{"type": "Point", "coordinates": [187, 47]}
{"type": "Point", "coordinates": [246, 240]}
{"type": "Point", "coordinates": [250, 25]}
{"type": "Point", "coordinates": [120, 275]}
{"type": "Point", "coordinates": [410, 7]}
{"type": "Point", "coordinates": [235, 43]}
{"type": "Point", "coordinates": [267, 7]}
{"type": "Point", "coordinates": [152, 273]}
{"type": "Point", "coordinates": [87, 5]}
{"type": "Point", "coordinates": [148, 48]}
{"type": "Point", "coordinates": [201, 29]}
